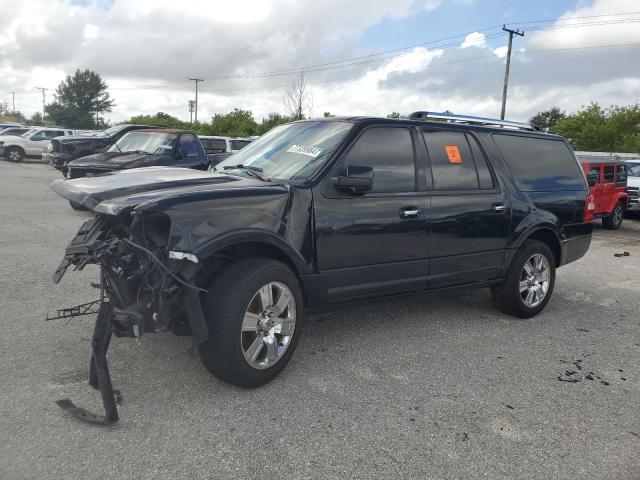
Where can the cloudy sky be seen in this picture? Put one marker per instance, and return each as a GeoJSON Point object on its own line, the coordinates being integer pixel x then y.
{"type": "Point", "coordinates": [367, 57]}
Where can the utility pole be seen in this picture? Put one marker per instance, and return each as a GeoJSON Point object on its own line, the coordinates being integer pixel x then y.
{"type": "Point", "coordinates": [44, 98]}
{"type": "Point", "coordinates": [506, 68]}
{"type": "Point", "coordinates": [13, 102]}
{"type": "Point", "coordinates": [196, 107]}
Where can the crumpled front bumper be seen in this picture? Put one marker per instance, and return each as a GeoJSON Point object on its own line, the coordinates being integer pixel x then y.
{"type": "Point", "coordinates": [141, 289]}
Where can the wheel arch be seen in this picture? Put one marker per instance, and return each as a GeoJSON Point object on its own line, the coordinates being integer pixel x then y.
{"type": "Point", "coordinates": [546, 235]}
{"type": "Point", "coordinates": [249, 242]}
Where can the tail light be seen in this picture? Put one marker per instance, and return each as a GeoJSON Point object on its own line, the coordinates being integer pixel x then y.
{"type": "Point", "coordinates": [589, 208]}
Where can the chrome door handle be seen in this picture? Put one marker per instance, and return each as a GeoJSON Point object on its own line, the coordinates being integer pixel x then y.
{"type": "Point", "coordinates": [499, 207]}
{"type": "Point", "coordinates": [409, 212]}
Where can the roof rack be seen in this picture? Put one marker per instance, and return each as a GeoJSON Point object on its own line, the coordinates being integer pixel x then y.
{"type": "Point", "coordinates": [470, 120]}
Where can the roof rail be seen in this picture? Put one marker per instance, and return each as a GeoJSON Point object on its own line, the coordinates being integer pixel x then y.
{"type": "Point", "coordinates": [470, 120]}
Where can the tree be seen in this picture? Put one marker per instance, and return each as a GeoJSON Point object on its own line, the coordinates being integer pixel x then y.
{"type": "Point", "coordinates": [328, 115]}
{"type": "Point", "coordinates": [273, 120]}
{"type": "Point", "coordinates": [79, 100]}
{"type": "Point", "coordinates": [615, 129]}
{"type": "Point", "coordinates": [394, 115]}
{"type": "Point", "coordinates": [298, 100]}
{"type": "Point", "coordinates": [160, 119]}
{"type": "Point", "coordinates": [237, 123]}
{"type": "Point", "coordinates": [547, 118]}
{"type": "Point", "coordinates": [36, 119]}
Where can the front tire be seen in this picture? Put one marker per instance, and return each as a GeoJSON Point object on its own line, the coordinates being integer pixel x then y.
{"type": "Point", "coordinates": [613, 221]}
{"type": "Point", "coordinates": [14, 154]}
{"type": "Point", "coordinates": [529, 282]}
{"type": "Point", "coordinates": [254, 312]}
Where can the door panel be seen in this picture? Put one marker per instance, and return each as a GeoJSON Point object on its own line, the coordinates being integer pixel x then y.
{"type": "Point", "coordinates": [365, 246]}
{"type": "Point", "coordinates": [467, 238]}
{"type": "Point", "coordinates": [469, 215]}
{"type": "Point", "coordinates": [376, 242]}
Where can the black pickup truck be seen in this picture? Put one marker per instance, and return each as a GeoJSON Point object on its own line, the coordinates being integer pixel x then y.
{"type": "Point", "coordinates": [62, 150]}
{"type": "Point", "coordinates": [320, 212]}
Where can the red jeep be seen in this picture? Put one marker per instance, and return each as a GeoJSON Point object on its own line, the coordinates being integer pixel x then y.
{"type": "Point", "coordinates": [607, 179]}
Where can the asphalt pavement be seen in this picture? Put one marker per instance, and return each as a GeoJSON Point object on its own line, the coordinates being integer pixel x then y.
{"type": "Point", "coordinates": [438, 386]}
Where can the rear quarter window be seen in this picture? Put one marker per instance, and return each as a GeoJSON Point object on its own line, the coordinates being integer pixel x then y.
{"type": "Point", "coordinates": [540, 164]}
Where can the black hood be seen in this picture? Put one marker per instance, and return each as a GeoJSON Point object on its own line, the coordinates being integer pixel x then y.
{"type": "Point", "coordinates": [117, 160]}
{"type": "Point", "coordinates": [134, 186]}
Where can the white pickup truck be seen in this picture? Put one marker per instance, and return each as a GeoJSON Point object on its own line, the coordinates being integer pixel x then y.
{"type": "Point", "coordinates": [30, 144]}
{"type": "Point", "coordinates": [633, 185]}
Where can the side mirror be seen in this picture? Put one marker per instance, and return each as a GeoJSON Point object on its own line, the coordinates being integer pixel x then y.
{"type": "Point", "coordinates": [358, 181]}
{"type": "Point", "coordinates": [592, 181]}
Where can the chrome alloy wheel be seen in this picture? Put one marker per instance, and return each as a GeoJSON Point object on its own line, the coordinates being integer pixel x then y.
{"type": "Point", "coordinates": [268, 325]}
{"type": "Point", "coordinates": [617, 214]}
{"type": "Point", "coordinates": [535, 280]}
{"type": "Point", "coordinates": [14, 155]}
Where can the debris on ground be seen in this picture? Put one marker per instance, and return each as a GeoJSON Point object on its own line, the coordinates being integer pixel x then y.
{"type": "Point", "coordinates": [623, 254]}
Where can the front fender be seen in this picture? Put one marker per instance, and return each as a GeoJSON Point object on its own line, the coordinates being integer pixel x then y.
{"type": "Point", "coordinates": [255, 236]}
{"type": "Point", "coordinates": [615, 199]}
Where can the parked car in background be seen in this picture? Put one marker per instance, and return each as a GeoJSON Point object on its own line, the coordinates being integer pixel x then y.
{"type": "Point", "coordinates": [607, 179]}
{"type": "Point", "coordinates": [633, 185]}
{"type": "Point", "coordinates": [16, 131]}
{"type": "Point", "coordinates": [4, 125]}
{"type": "Point", "coordinates": [219, 148]}
{"type": "Point", "coordinates": [65, 149]}
{"type": "Point", "coordinates": [31, 144]}
{"type": "Point", "coordinates": [320, 212]}
{"type": "Point", "coordinates": [144, 148]}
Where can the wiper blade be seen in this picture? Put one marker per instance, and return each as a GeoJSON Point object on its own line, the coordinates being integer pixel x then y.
{"type": "Point", "coordinates": [255, 171]}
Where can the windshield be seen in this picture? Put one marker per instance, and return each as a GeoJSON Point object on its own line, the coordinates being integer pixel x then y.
{"type": "Point", "coordinates": [633, 169]}
{"type": "Point", "coordinates": [291, 151]}
{"type": "Point", "coordinates": [156, 143]}
{"type": "Point", "coordinates": [28, 132]}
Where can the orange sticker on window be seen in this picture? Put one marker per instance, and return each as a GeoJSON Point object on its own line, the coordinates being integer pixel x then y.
{"type": "Point", "coordinates": [453, 153]}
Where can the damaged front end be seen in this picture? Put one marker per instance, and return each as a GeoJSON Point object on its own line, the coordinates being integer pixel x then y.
{"type": "Point", "coordinates": [144, 287]}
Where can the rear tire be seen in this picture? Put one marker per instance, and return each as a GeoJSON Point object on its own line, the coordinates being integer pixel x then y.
{"type": "Point", "coordinates": [613, 221]}
{"type": "Point", "coordinates": [14, 154]}
{"type": "Point", "coordinates": [512, 296]}
{"type": "Point", "coordinates": [245, 356]}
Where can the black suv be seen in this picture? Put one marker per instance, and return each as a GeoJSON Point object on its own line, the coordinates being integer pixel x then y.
{"type": "Point", "coordinates": [320, 212]}
{"type": "Point", "coordinates": [62, 150]}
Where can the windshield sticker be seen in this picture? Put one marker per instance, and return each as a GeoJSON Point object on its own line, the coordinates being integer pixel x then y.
{"type": "Point", "coordinates": [165, 147]}
{"type": "Point", "coordinates": [453, 153]}
{"type": "Point", "coordinates": [305, 150]}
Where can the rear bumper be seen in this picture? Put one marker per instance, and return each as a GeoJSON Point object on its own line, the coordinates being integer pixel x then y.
{"type": "Point", "coordinates": [576, 246]}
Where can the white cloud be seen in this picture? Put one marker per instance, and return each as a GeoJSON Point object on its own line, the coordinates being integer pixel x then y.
{"type": "Point", "coordinates": [474, 39]}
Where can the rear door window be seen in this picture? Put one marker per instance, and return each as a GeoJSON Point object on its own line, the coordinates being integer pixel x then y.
{"type": "Point", "coordinates": [389, 151]}
{"type": "Point", "coordinates": [621, 175]}
{"type": "Point", "coordinates": [609, 174]}
{"type": "Point", "coordinates": [457, 162]}
{"type": "Point", "coordinates": [540, 164]}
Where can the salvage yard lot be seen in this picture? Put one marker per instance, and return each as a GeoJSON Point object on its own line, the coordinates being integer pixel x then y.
{"type": "Point", "coordinates": [426, 386]}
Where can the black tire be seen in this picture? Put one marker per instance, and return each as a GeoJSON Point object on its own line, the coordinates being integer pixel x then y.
{"type": "Point", "coordinates": [507, 296]}
{"type": "Point", "coordinates": [77, 206]}
{"type": "Point", "coordinates": [224, 308]}
{"type": "Point", "coordinates": [14, 154]}
{"type": "Point", "coordinates": [613, 221]}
